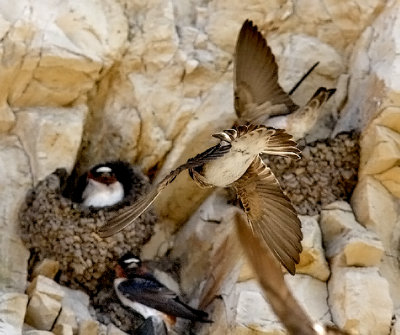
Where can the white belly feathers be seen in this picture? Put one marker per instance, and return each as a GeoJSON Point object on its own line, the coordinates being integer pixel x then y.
{"type": "Point", "coordinates": [100, 195]}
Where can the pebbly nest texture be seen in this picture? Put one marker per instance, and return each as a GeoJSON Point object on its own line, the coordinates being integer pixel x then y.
{"type": "Point", "coordinates": [326, 172]}
{"type": "Point", "coordinates": [55, 227]}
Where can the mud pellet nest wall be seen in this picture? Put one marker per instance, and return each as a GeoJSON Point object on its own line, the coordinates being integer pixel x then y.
{"type": "Point", "coordinates": [326, 172]}
{"type": "Point", "coordinates": [55, 227]}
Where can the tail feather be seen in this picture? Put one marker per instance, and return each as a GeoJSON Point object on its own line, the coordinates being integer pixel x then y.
{"type": "Point", "coordinates": [282, 144]}
{"type": "Point", "coordinates": [127, 216]}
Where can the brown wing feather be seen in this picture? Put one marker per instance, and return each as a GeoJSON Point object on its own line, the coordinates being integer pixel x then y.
{"type": "Point", "coordinates": [131, 213]}
{"type": "Point", "coordinates": [256, 78]}
{"type": "Point", "coordinates": [270, 213]}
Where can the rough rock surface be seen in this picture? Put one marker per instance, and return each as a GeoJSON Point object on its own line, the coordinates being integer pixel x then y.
{"type": "Point", "coordinates": [47, 267]}
{"type": "Point", "coordinates": [312, 258]}
{"type": "Point", "coordinates": [12, 310]}
{"type": "Point", "coordinates": [346, 240]}
{"type": "Point", "coordinates": [360, 301]}
{"type": "Point", "coordinates": [14, 260]}
{"type": "Point", "coordinates": [48, 217]}
{"type": "Point", "coordinates": [51, 137]}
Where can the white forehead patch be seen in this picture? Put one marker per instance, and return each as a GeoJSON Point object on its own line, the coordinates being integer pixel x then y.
{"type": "Point", "coordinates": [103, 169]}
{"type": "Point", "coordinates": [131, 260]}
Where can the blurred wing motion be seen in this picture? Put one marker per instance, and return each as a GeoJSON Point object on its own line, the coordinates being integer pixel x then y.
{"type": "Point", "coordinates": [271, 280]}
{"type": "Point", "coordinates": [270, 214]}
{"type": "Point", "coordinates": [257, 91]}
{"type": "Point", "coordinates": [155, 295]}
{"type": "Point", "coordinates": [131, 213]}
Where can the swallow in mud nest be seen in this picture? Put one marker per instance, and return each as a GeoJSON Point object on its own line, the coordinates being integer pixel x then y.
{"type": "Point", "coordinates": [137, 288]}
{"type": "Point", "coordinates": [102, 187]}
{"type": "Point", "coordinates": [235, 161]}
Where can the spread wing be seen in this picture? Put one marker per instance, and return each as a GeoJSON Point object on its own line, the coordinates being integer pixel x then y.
{"type": "Point", "coordinates": [257, 91]}
{"type": "Point", "coordinates": [131, 213]}
{"type": "Point", "coordinates": [157, 296]}
{"type": "Point", "coordinates": [270, 214]}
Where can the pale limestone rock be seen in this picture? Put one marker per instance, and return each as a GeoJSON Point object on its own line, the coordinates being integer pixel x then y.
{"type": "Point", "coordinates": [12, 309]}
{"type": "Point", "coordinates": [45, 285]}
{"type": "Point", "coordinates": [67, 317]}
{"type": "Point", "coordinates": [15, 180]}
{"type": "Point", "coordinates": [390, 118]}
{"type": "Point", "coordinates": [37, 332]}
{"type": "Point", "coordinates": [48, 49]}
{"type": "Point", "coordinates": [377, 209]}
{"type": "Point", "coordinates": [360, 301]}
{"type": "Point", "coordinates": [7, 118]}
{"type": "Point", "coordinates": [389, 268]}
{"type": "Point", "coordinates": [337, 218]}
{"type": "Point", "coordinates": [76, 303]}
{"type": "Point", "coordinates": [47, 267]}
{"type": "Point", "coordinates": [113, 330]}
{"type": "Point", "coordinates": [357, 248]}
{"type": "Point", "coordinates": [13, 263]}
{"type": "Point", "coordinates": [349, 243]}
{"type": "Point", "coordinates": [312, 258]}
{"type": "Point", "coordinates": [334, 19]}
{"type": "Point", "coordinates": [88, 327]}
{"type": "Point", "coordinates": [27, 327]}
{"type": "Point", "coordinates": [160, 34]}
{"type": "Point", "coordinates": [379, 150]}
{"type": "Point", "coordinates": [312, 295]}
{"type": "Point", "coordinates": [51, 137]}
{"type": "Point", "coordinates": [42, 311]}
{"type": "Point", "coordinates": [102, 329]}
{"type": "Point", "coordinates": [62, 329]}
{"type": "Point", "coordinates": [391, 180]}
{"type": "Point", "coordinates": [7, 329]}
{"type": "Point", "coordinates": [372, 205]}
{"type": "Point", "coordinates": [374, 71]}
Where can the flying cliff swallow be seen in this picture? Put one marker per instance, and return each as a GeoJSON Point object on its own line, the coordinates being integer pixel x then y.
{"type": "Point", "coordinates": [102, 188]}
{"type": "Point", "coordinates": [138, 289]}
{"type": "Point", "coordinates": [235, 161]}
{"type": "Point", "coordinates": [259, 99]}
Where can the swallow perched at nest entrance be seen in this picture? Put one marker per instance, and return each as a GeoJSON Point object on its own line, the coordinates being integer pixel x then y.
{"type": "Point", "coordinates": [137, 288]}
{"type": "Point", "coordinates": [235, 161]}
{"type": "Point", "coordinates": [102, 188]}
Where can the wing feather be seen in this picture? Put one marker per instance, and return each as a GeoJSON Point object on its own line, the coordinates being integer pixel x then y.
{"type": "Point", "coordinates": [159, 297]}
{"type": "Point", "coordinates": [270, 213]}
{"type": "Point", "coordinates": [257, 91]}
{"type": "Point", "coordinates": [131, 213]}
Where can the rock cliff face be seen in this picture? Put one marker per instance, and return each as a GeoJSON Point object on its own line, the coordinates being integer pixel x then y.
{"type": "Point", "coordinates": [148, 82]}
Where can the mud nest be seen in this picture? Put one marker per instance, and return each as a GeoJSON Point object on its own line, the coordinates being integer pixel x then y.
{"type": "Point", "coordinates": [55, 227]}
{"type": "Point", "coordinates": [326, 172]}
